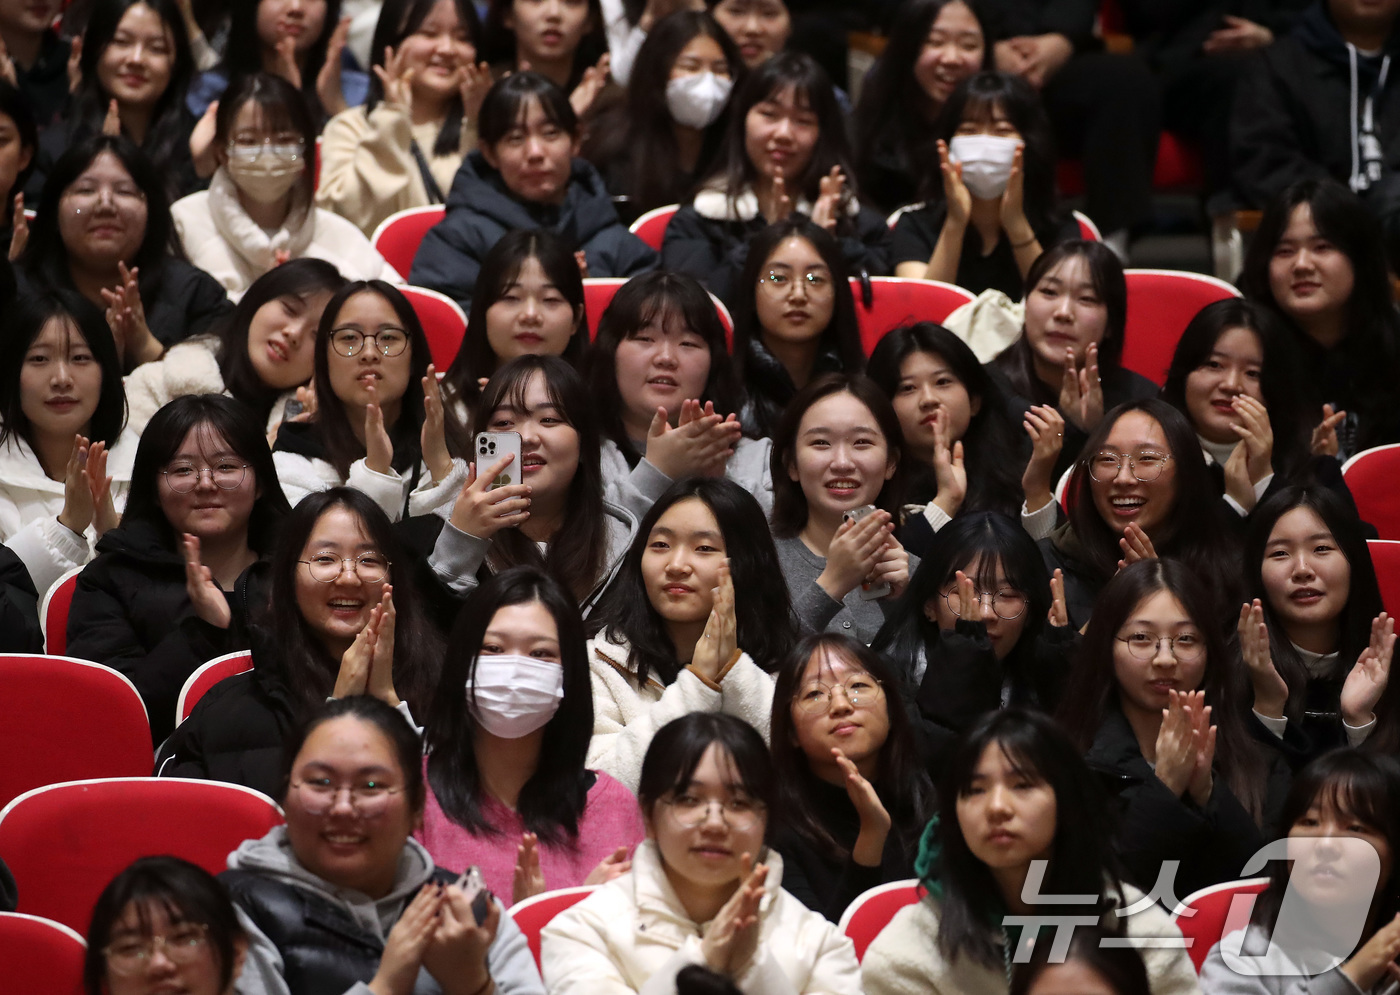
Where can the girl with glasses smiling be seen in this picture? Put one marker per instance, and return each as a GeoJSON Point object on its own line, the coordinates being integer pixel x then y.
{"type": "Point", "coordinates": [1154, 703]}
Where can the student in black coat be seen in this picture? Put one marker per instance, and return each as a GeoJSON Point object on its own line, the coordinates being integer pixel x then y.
{"type": "Point", "coordinates": [853, 796]}
{"type": "Point", "coordinates": [20, 631]}
{"type": "Point", "coordinates": [39, 55]}
{"type": "Point", "coordinates": [333, 626]}
{"type": "Point", "coordinates": [203, 472]}
{"type": "Point", "coordinates": [525, 175]}
{"type": "Point", "coordinates": [1152, 704]}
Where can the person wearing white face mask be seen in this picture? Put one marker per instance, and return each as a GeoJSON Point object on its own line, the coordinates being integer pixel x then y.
{"type": "Point", "coordinates": [997, 210]}
{"type": "Point", "coordinates": [508, 789]}
{"type": "Point", "coordinates": [257, 211]}
{"type": "Point", "coordinates": [654, 144]}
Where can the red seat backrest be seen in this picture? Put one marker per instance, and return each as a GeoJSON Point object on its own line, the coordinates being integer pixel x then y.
{"type": "Point", "coordinates": [896, 301]}
{"type": "Point", "coordinates": [1385, 559]}
{"type": "Point", "coordinates": [1161, 303]}
{"type": "Point", "coordinates": [598, 293]}
{"type": "Point", "coordinates": [1219, 910]}
{"type": "Point", "coordinates": [651, 226]}
{"type": "Point", "coordinates": [533, 914]}
{"type": "Point", "coordinates": [206, 677]}
{"type": "Point", "coordinates": [872, 911]}
{"type": "Point", "coordinates": [443, 323]}
{"type": "Point", "coordinates": [398, 236]}
{"type": "Point", "coordinates": [40, 957]}
{"type": "Point", "coordinates": [1371, 476]}
{"type": "Point", "coordinates": [64, 842]}
{"type": "Point", "coordinates": [58, 601]}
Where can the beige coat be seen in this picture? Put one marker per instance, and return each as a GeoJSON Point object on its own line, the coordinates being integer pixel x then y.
{"type": "Point", "coordinates": [904, 959]}
{"type": "Point", "coordinates": [625, 717]}
{"type": "Point", "coordinates": [633, 935]}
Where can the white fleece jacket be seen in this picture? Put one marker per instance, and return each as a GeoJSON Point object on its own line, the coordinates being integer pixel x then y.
{"type": "Point", "coordinates": [626, 717]}
{"type": "Point", "coordinates": [220, 238]}
{"type": "Point", "coordinates": [302, 475]}
{"type": "Point", "coordinates": [189, 367]}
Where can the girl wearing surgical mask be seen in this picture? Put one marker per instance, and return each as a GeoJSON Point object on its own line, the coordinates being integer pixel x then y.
{"type": "Point", "coordinates": [991, 192]}
{"type": "Point", "coordinates": [509, 789]}
{"type": "Point", "coordinates": [652, 146]}
{"type": "Point", "coordinates": [257, 211]}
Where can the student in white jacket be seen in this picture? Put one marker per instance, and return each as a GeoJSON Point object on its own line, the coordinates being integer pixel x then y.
{"type": "Point", "coordinates": [672, 626]}
{"type": "Point", "coordinates": [258, 210]}
{"type": "Point", "coordinates": [378, 424]}
{"type": "Point", "coordinates": [703, 888]}
{"type": "Point", "coordinates": [65, 461]}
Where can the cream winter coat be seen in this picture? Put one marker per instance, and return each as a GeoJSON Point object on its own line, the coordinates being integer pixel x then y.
{"type": "Point", "coordinates": [30, 504]}
{"type": "Point", "coordinates": [625, 717]}
{"type": "Point", "coordinates": [368, 171]}
{"type": "Point", "coordinates": [904, 959]}
{"type": "Point", "coordinates": [190, 367]}
{"type": "Point", "coordinates": [633, 935]}
{"type": "Point", "coordinates": [220, 238]}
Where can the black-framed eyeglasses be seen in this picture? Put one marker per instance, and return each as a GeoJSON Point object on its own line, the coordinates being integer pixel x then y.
{"type": "Point", "coordinates": [388, 341]}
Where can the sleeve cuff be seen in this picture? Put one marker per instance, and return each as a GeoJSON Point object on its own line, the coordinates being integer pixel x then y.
{"type": "Point", "coordinates": [1275, 726]}
{"type": "Point", "coordinates": [1041, 522]}
{"type": "Point", "coordinates": [1356, 735]}
{"type": "Point", "coordinates": [457, 555]}
{"type": "Point", "coordinates": [936, 516]}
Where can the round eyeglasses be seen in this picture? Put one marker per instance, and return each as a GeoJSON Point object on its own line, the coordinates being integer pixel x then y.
{"type": "Point", "coordinates": [739, 814]}
{"type": "Point", "coordinates": [185, 477]}
{"type": "Point", "coordinates": [1147, 466]}
{"type": "Point", "coordinates": [185, 943]}
{"type": "Point", "coordinates": [778, 283]}
{"type": "Point", "coordinates": [248, 152]}
{"type": "Point", "coordinates": [1186, 648]}
{"type": "Point", "coordinates": [327, 567]}
{"type": "Point", "coordinates": [318, 795]}
{"type": "Point", "coordinates": [388, 341]}
{"type": "Point", "coordinates": [862, 691]}
{"type": "Point", "coordinates": [1007, 603]}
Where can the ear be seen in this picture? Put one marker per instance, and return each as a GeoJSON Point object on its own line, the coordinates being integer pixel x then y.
{"type": "Point", "coordinates": [893, 464]}
{"type": "Point", "coordinates": [792, 472]}
{"type": "Point", "coordinates": [489, 154]}
{"type": "Point", "coordinates": [240, 954]}
{"type": "Point", "coordinates": [931, 610]}
{"type": "Point", "coordinates": [26, 156]}
{"type": "Point", "coordinates": [975, 405]}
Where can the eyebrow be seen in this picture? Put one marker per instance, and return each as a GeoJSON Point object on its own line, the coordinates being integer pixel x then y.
{"type": "Point", "coordinates": [535, 639]}
{"type": "Point", "coordinates": [358, 772]}
{"type": "Point", "coordinates": [320, 545]}
{"type": "Point", "coordinates": [1149, 623]}
{"type": "Point", "coordinates": [1310, 538]}
{"type": "Point", "coordinates": [516, 409]}
{"type": "Point", "coordinates": [851, 429]}
{"type": "Point", "coordinates": [697, 534]}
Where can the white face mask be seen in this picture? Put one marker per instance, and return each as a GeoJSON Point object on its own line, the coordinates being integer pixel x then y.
{"type": "Point", "coordinates": [515, 695]}
{"type": "Point", "coordinates": [986, 162]}
{"type": "Point", "coordinates": [267, 176]}
{"type": "Point", "coordinates": [696, 101]}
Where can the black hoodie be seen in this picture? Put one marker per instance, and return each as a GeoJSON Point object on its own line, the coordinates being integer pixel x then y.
{"type": "Point", "coordinates": [1300, 112]}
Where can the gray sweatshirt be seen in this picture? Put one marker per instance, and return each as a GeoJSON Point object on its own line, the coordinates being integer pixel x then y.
{"type": "Point", "coordinates": [815, 609]}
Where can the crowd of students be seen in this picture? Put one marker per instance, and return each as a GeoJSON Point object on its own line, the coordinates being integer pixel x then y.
{"type": "Point", "coordinates": [754, 621]}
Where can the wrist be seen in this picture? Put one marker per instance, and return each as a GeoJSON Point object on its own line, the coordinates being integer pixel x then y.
{"type": "Point", "coordinates": [71, 524]}
{"type": "Point", "coordinates": [1357, 719]}
{"type": "Point", "coordinates": [953, 226]}
{"type": "Point", "coordinates": [835, 587]}
{"type": "Point", "coordinates": [1018, 231]}
{"type": "Point", "coordinates": [1270, 708]}
{"type": "Point", "coordinates": [949, 504]}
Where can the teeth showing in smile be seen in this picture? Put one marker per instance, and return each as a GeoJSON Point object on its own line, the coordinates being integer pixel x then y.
{"type": "Point", "coordinates": [344, 839]}
{"type": "Point", "coordinates": [1128, 502]}
{"type": "Point", "coordinates": [844, 484]}
{"type": "Point", "coordinates": [346, 605]}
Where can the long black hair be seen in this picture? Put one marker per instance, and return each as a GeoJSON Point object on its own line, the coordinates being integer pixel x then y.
{"type": "Point", "coordinates": [1363, 599]}
{"type": "Point", "coordinates": [301, 661]}
{"type": "Point", "coordinates": [213, 416]}
{"type": "Point", "coordinates": [577, 553]}
{"type": "Point", "coordinates": [653, 299]}
{"type": "Point", "coordinates": [1092, 688]}
{"type": "Point", "coordinates": [639, 128]}
{"type": "Point", "coordinates": [766, 626]}
{"type": "Point", "coordinates": [900, 779]}
{"type": "Point", "coordinates": [553, 799]}
{"type": "Point", "coordinates": [1279, 375]}
{"type": "Point", "coordinates": [398, 19]}
{"type": "Point", "coordinates": [333, 422]}
{"type": "Point", "coordinates": [991, 443]}
{"type": "Point", "coordinates": [31, 315]}
{"type": "Point", "coordinates": [498, 41]}
{"type": "Point", "coordinates": [1002, 548]}
{"type": "Point", "coordinates": [895, 117]}
{"type": "Point", "coordinates": [1081, 858]}
{"type": "Point", "coordinates": [244, 50]}
{"type": "Point", "coordinates": [789, 502]}
{"type": "Point", "coordinates": [167, 138]}
{"type": "Point", "coordinates": [508, 100]}
{"type": "Point", "coordinates": [284, 108]}
{"type": "Point", "coordinates": [298, 278]}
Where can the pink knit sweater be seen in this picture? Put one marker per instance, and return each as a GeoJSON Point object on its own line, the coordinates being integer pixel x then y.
{"type": "Point", "coordinates": [611, 818]}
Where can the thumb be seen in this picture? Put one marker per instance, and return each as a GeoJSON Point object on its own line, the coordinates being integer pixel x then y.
{"type": "Point", "coordinates": [658, 424]}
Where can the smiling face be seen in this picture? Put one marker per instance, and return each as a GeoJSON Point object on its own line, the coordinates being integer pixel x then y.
{"type": "Point", "coordinates": [102, 215]}
{"type": "Point", "coordinates": [207, 510]}
{"type": "Point", "coordinates": [1007, 817]}
{"type": "Point", "coordinates": [548, 30]}
{"type": "Point", "coordinates": [60, 382]}
{"type": "Point", "coordinates": [337, 611]}
{"type": "Point", "coordinates": [1310, 277]}
{"type": "Point", "coordinates": [300, 20]}
{"type": "Point", "coordinates": [708, 855]}
{"type": "Point", "coordinates": [534, 157]}
{"type": "Point", "coordinates": [369, 375]}
{"type": "Point", "coordinates": [1306, 576]}
{"type": "Point", "coordinates": [859, 731]}
{"type": "Point", "coordinates": [549, 445]}
{"type": "Point", "coordinates": [195, 971]}
{"type": "Point", "coordinates": [680, 565]}
{"type": "Point", "coordinates": [438, 52]}
{"type": "Point", "coordinates": [780, 134]}
{"type": "Point", "coordinates": [1234, 367]}
{"type": "Point", "coordinates": [1122, 498]}
{"type": "Point", "coordinates": [795, 297]}
{"type": "Point", "coordinates": [1064, 311]}
{"type": "Point", "coordinates": [136, 65]}
{"type": "Point", "coordinates": [531, 317]}
{"type": "Point", "coordinates": [842, 459]}
{"type": "Point", "coordinates": [927, 385]}
{"type": "Point", "coordinates": [953, 51]}
{"type": "Point", "coordinates": [1334, 854]}
{"type": "Point", "coordinates": [342, 845]}
{"type": "Point", "coordinates": [660, 364]}
{"type": "Point", "coordinates": [282, 338]}
{"type": "Point", "coordinates": [760, 28]}
{"type": "Point", "coordinates": [1003, 632]}
{"type": "Point", "coordinates": [1143, 685]}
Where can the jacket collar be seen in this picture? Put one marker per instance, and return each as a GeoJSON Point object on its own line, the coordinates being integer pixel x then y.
{"type": "Point", "coordinates": [713, 202]}
{"type": "Point", "coordinates": [660, 914]}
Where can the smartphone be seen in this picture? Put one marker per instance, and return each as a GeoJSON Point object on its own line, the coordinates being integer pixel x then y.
{"type": "Point", "coordinates": [868, 592]}
{"type": "Point", "coordinates": [474, 885]}
{"type": "Point", "coordinates": [491, 447]}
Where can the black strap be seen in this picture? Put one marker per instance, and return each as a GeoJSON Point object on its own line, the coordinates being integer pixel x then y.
{"type": "Point", "coordinates": [434, 191]}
